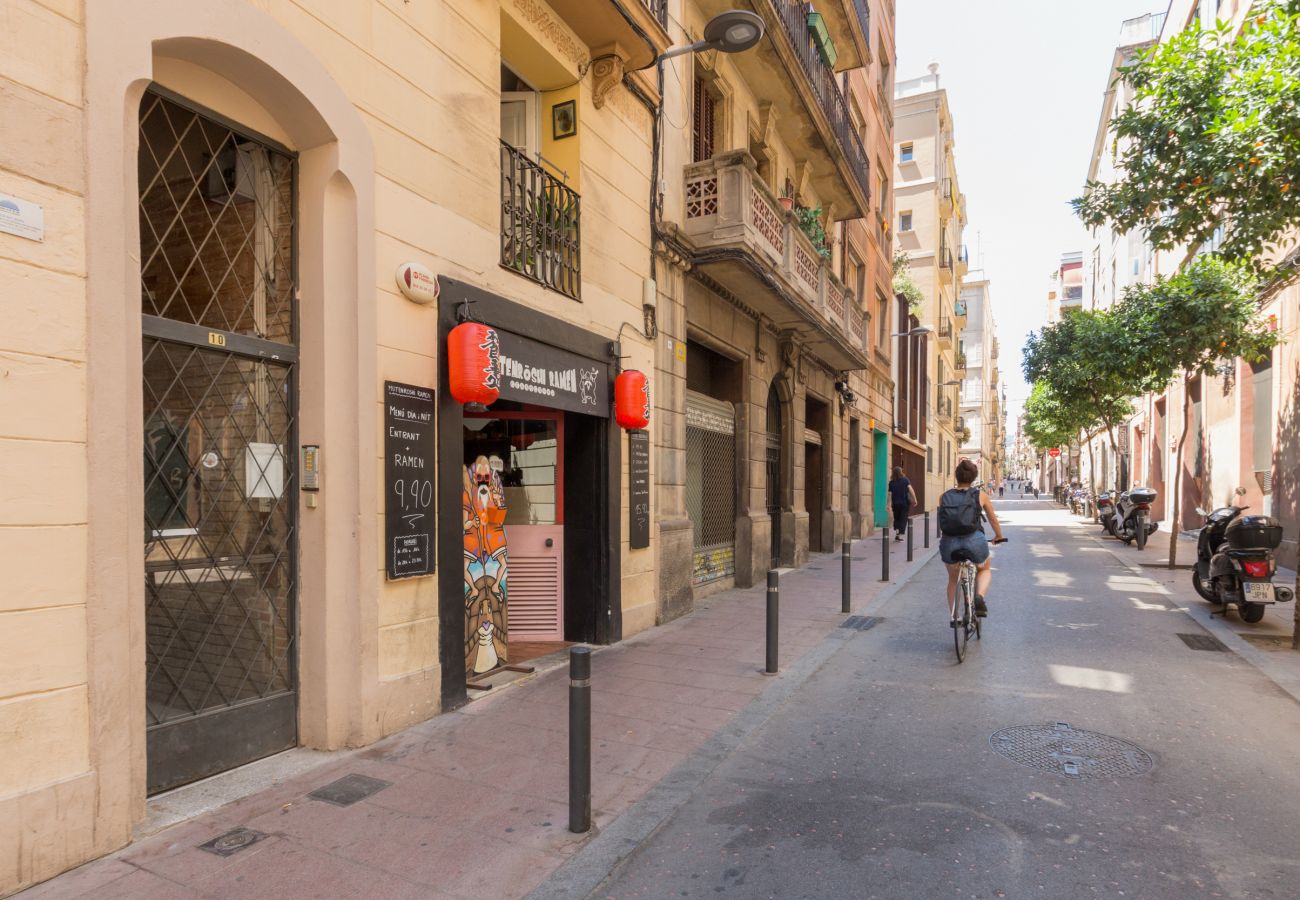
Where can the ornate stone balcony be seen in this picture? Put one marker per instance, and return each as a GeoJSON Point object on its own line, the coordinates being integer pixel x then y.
{"type": "Point", "coordinates": [744, 241]}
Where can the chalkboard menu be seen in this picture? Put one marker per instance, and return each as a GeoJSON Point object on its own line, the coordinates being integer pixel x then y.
{"type": "Point", "coordinates": [638, 480]}
{"type": "Point", "coordinates": [408, 479]}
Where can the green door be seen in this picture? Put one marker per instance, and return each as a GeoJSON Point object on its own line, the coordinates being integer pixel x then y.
{"type": "Point", "coordinates": [880, 477]}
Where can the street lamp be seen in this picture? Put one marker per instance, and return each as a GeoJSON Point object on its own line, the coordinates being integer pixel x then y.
{"type": "Point", "coordinates": [729, 32]}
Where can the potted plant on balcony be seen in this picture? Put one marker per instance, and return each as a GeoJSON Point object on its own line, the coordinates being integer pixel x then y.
{"type": "Point", "coordinates": [810, 223]}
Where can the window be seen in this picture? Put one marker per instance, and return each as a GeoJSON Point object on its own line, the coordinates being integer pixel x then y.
{"type": "Point", "coordinates": [905, 220]}
{"type": "Point", "coordinates": [905, 153]}
{"type": "Point", "coordinates": [703, 122]}
{"type": "Point", "coordinates": [882, 324]}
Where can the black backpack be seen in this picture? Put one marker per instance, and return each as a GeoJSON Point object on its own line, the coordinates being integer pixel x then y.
{"type": "Point", "coordinates": [959, 512]}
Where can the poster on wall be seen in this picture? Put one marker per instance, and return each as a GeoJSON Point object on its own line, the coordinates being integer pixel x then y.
{"type": "Point", "coordinates": [483, 513]}
{"type": "Point", "coordinates": [409, 460]}
{"type": "Point", "coordinates": [638, 481]}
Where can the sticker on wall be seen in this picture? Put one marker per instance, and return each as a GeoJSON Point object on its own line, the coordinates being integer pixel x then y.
{"type": "Point", "coordinates": [210, 460]}
{"type": "Point", "coordinates": [27, 220]}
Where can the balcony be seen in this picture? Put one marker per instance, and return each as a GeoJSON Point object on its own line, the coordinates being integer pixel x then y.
{"type": "Point", "coordinates": [945, 198]}
{"type": "Point", "coordinates": [944, 332]}
{"type": "Point", "coordinates": [963, 261]}
{"type": "Point", "coordinates": [541, 218]}
{"type": "Point", "coordinates": [810, 112]}
{"type": "Point", "coordinates": [745, 243]}
{"type": "Point", "coordinates": [959, 365]}
{"type": "Point", "coordinates": [946, 271]}
{"type": "Point", "coordinates": [636, 39]}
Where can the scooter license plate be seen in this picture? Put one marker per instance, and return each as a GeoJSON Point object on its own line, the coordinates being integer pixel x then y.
{"type": "Point", "coordinates": [1258, 592]}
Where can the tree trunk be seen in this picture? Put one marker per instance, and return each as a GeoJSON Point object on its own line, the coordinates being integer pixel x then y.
{"type": "Point", "coordinates": [1092, 479]}
{"type": "Point", "coordinates": [1178, 471]}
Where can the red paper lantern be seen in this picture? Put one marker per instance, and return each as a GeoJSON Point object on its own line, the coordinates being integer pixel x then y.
{"type": "Point", "coordinates": [632, 399]}
{"type": "Point", "coordinates": [473, 352]}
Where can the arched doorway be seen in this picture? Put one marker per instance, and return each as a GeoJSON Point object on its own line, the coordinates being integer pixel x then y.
{"type": "Point", "coordinates": [774, 467]}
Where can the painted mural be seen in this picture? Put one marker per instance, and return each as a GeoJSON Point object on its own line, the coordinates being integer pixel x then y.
{"type": "Point", "coordinates": [486, 564]}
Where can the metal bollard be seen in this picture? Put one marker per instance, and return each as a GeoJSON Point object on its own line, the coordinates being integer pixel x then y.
{"type": "Point", "coordinates": [884, 554]}
{"type": "Point", "coordinates": [909, 538]}
{"type": "Point", "coordinates": [845, 576]}
{"type": "Point", "coordinates": [580, 740]}
{"type": "Point", "coordinates": [927, 529]}
{"type": "Point", "coordinates": [773, 615]}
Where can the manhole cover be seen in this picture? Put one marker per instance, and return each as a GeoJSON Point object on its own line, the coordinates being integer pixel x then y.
{"type": "Point", "coordinates": [232, 841]}
{"type": "Point", "coordinates": [1070, 751]}
{"type": "Point", "coordinates": [860, 623]}
{"type": "Point", "coordinates": [349, 789]}
{"type": "Point", "coordinates": [1201, 641]}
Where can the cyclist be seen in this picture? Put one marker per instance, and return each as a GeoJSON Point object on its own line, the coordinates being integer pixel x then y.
{"type": "Point", "coordinates": [961, 513]}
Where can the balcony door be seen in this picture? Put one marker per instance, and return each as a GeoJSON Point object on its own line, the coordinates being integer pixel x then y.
{"type": "Point", "coordinates": [519, 105]}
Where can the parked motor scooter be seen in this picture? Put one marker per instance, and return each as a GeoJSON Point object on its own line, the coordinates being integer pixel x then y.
{"type": "Point", "coordinates": [1106, 511]}
{"type": "Point", "coordinates": [1132, 521]}
{"type": "Point", "coordinates": [1235, 563]}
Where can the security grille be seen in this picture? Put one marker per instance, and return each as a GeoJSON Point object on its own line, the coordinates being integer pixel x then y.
{"type": "Point", "coordinates": [711, 485]}
{"type": "Point", "coordinates": [218, 292]}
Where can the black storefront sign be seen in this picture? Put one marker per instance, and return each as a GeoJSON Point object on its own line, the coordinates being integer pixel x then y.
{"type": "Point", "coordinates": [638, 484]}
{"type": "Point", "coordinates": [537, 373]}
{"type": "Point", "coordinates": [409, 453]}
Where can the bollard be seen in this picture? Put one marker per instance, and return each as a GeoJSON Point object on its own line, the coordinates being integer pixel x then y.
{"type": "Point", "coordinates": [844, 577]}
{"type": "Point", "coordinates": [580, 740]}
{"type": "Point", "coordinates": [909, 538]}
{"type": "Point", "coordinates": [927, 529]}
{"type": "Point", "coordinates": [884, 554]}
{"type": "Point", "coordinates": [773, 614]}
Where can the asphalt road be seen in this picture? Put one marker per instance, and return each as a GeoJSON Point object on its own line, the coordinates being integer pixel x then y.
{"type": "Point", "coordinates": [878, 777]}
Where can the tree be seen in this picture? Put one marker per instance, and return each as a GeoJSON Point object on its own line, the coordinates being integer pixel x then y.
{"type": "Point", "coordinates": [904, 284]}
{"type": "Point", "coordinates": [1089, 361]}
{"type": "Point", "coordinates": [1187, 323]}
{"type": "Point", "coordinates": [1210, 140]}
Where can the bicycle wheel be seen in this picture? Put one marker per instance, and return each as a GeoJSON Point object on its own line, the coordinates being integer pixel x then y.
{"type": "Point", "coordinates": [961, 620]}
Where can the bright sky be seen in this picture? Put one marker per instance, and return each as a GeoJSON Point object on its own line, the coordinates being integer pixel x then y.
{"type": "Point", "coordinates": [1025, 80]}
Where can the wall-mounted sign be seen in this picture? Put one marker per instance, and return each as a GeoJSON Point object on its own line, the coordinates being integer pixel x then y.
{"type": "Point", "coordinates": [533, 372]}
{"type": "Point", "coordinates": [638, 484]}
{"type": "Point", "coordinates": [27, 220]}
{"type": "Point", "coordinates": [416, 282]}
{"type": "Point", "coordinates": [408, 479]}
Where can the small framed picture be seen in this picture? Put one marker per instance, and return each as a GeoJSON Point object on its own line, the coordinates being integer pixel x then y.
{"type": "Point", "coordinates": [564, 119]}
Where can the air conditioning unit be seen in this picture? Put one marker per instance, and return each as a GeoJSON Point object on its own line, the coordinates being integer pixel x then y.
{"type": "Point", "coordinates": [233, 174]}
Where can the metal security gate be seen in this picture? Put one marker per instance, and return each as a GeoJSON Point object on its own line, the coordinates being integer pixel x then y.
{"type": "Point", "coordinates": [711, 486]}
{"type": "Point", "coordinates": [218, 291]}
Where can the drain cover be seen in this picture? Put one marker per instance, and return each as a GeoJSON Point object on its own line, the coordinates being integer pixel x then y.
{"type": "Point", "coordinates": [1079, 754]}
{"type": "Point", "coordinates": [349, 789]}
{"type": "Point", "coordinates": [232, 842]}
{"type": "Point", "coordinates": [1201, 641]}
{"type": "Point", "coordinates": [860, 623]}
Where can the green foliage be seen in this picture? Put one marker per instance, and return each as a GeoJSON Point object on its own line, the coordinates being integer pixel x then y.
{"type": "Point", "coordinates": [1092, 366]}
{"type": "Point", "coordinates": [1049, 422]}
{"type": "Point", "coordinates": [903, 283]}
{"type": "Point", "coordinates": [1211, 138]}
{"type": "Point", "coordinates": [1187, 323]}
{"type": "Point", "coordinates": [810, 223]}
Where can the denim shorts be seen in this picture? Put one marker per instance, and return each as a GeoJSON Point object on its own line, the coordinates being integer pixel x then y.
{"type": "Point", "coordinates": [976, 544]}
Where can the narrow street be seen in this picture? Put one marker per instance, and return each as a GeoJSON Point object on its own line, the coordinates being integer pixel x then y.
{"type": "Point", "coordinates": [880, 776]}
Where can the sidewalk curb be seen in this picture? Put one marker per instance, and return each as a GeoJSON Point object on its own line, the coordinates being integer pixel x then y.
{"type": "Point", "coordinates": [600, 859]}
{"type": "Point", "coordinates": [1287, 682]}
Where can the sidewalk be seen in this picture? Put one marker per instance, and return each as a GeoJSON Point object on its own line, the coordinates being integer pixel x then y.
{"type": "Point", "coordinates": [475, 801]}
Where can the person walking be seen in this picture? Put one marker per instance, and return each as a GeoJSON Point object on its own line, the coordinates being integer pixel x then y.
{"type": "Point", "coordinates": [902, 498]}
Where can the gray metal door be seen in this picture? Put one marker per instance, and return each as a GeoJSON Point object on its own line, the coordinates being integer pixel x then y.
{"type": "Point", "coordinates": [217, 251]}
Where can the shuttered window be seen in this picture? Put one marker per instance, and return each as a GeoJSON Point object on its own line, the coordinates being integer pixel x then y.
{"type": "Point", "coordinates": [702, 126]}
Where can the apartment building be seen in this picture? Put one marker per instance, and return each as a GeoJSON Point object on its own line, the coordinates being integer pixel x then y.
{"type": "Point", "coordinates": [1240, 446]}
{"type": "Point", "coordinates": [310, 420]}
{"type": "Point", "coordinates": [930, 217]}
{"type": "Point", "coordinates": [979, 437]}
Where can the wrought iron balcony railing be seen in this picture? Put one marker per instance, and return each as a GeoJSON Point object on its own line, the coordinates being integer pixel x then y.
{"type": "Point", "coordinates": [540, 224]}
{"type": "Point", "coordinates": [659, 8]}
{"type": "Point", "coordinates": [794, 20]}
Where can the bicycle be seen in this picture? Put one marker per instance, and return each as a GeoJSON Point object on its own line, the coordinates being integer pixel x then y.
{"type": "Point", "coordinates": [964, 601]}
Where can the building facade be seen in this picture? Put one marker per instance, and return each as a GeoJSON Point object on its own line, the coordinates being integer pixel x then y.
{"type": "Point", "coordinates": [244, 506]}
{"type": "Point", "coordinates": [1240, 445]}
{"type": "Point", "coordinates": [930, 216]}
{"type": "Point", "coordinates": [980, 436]}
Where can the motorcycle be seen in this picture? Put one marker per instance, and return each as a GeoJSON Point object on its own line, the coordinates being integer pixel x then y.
{"type": "Point", "coordinates": [1235, 563]}
{"type": "Point", "coordinates": [1132, 517]}
{"type": "Point", "coordinates": [1106, 511]}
